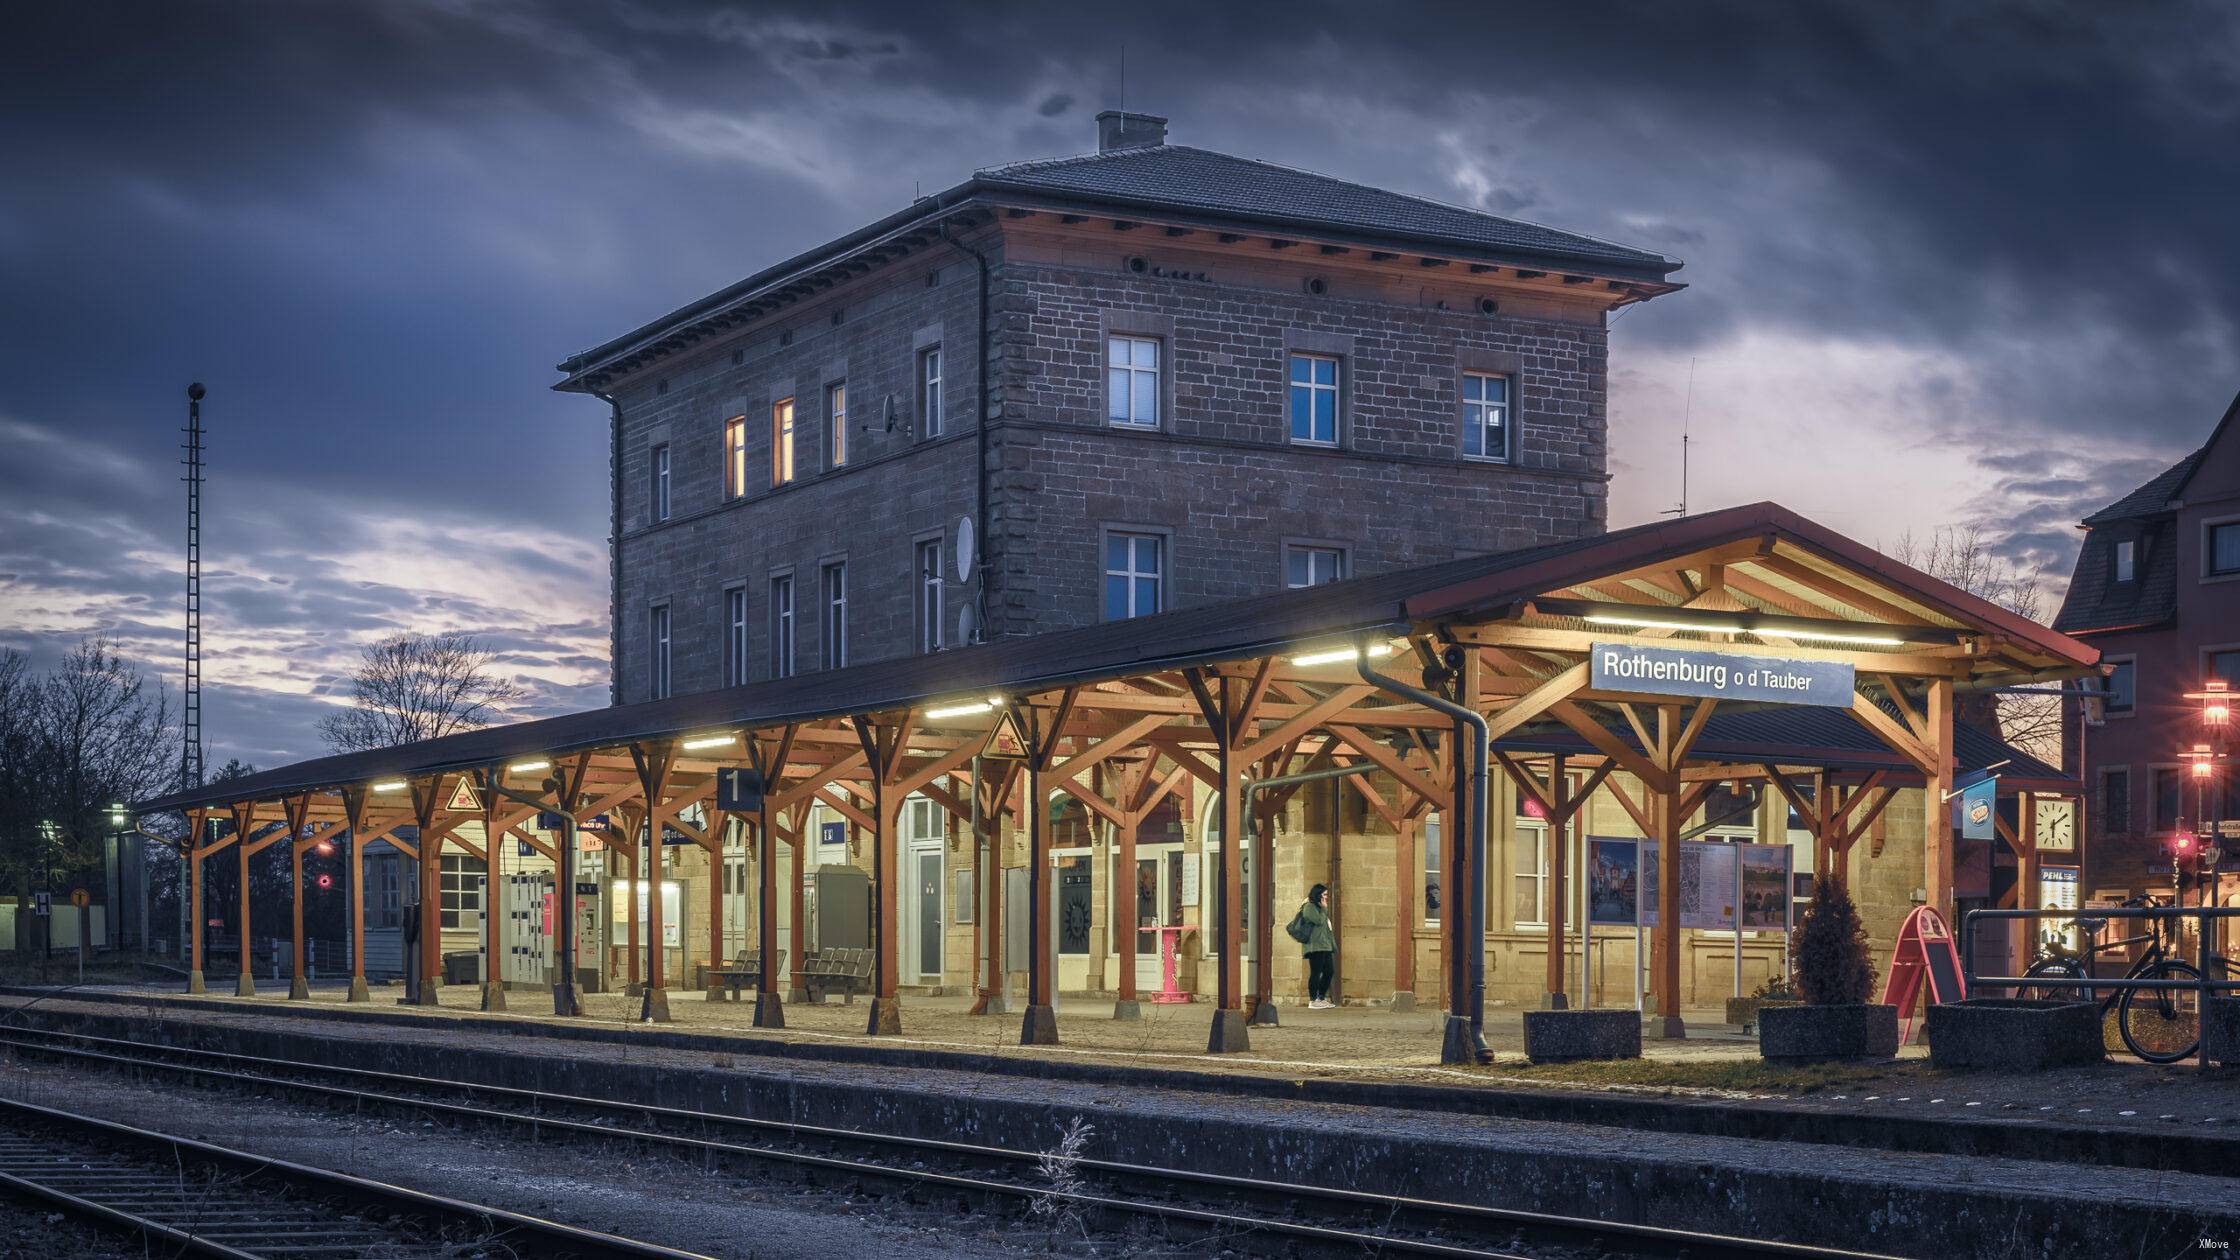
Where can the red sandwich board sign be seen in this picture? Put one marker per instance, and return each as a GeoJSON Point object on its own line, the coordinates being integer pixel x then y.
{"type": "Point", "coordinates": [1925, 950]}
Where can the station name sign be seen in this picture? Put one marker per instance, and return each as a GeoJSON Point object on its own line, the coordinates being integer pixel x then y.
{"type": "Point", "coordinates": [1719, 675]}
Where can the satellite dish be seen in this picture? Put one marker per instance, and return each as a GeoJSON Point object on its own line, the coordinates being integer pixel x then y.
{"type": "Point", "coordinates": [964, 548]}
{"type": "Point", "coordinates": [888, 413]}
{"type": "Point", "coordinates": [968, 624]}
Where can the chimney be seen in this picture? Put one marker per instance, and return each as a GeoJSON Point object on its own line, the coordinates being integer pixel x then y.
{"type": "Point", "coordinates": [1118, 129]}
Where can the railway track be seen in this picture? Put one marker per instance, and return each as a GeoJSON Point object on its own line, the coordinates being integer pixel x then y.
{"type": "Point", "coordinates": [1182, 1205]}
{"type": "Point", "coordinates": [181, 1197]}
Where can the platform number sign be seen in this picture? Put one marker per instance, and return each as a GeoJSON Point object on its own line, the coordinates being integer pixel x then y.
{"type": "Point", "coordinates": [42, 904]}
{"type": "Point", "coordinates": [739, 789]}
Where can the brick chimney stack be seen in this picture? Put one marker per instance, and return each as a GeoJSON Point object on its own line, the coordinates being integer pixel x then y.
{"type": "Point", "coordinates": [1118, 129]}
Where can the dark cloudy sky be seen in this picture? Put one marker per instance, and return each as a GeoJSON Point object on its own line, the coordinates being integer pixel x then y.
{"type": "Point", "coordinates": [1972, 263]}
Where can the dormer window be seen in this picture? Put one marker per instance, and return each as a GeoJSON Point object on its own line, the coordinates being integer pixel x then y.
{"type": "Point", "coordinates": [2124, 564]}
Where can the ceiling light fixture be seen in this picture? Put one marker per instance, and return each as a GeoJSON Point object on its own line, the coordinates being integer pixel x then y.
{"type": "Point", "coordinates": [524, 767]}
{"type": "Point", "coordinates": [1336, 655]}
{"type": "Point", "coordinates": [963, 710]}
{"type": "Point", "coordinates": [393, 785]}
{"type": "Point", "coordinates": [698, 742]}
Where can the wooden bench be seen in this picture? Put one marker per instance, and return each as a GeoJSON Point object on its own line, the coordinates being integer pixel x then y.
{"type": "Point", "coordinates": [843, 971]}
{"type": "Point", "coordinates": [745, 971]}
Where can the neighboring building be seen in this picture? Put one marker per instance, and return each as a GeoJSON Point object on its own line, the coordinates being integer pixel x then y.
{"type": "Point", "coordinates": [2157, 590]}
{"type": "Point", "coordinates": [1201, 376]}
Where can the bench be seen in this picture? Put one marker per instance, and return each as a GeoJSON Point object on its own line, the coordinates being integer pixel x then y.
{"type": "Point", "coordinates": [745, 971]}
{"type": "Point", "coordinates": [843, 971]}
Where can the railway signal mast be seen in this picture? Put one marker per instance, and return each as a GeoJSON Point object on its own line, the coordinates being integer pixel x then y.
{"type": "Point", "coordinates": [190, 754]}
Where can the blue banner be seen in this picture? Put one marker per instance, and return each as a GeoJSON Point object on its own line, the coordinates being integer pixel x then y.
{"type": "Point", "coordinates": [1975, 807]}
{"type": "Point", "coordinates": [1719, 675]}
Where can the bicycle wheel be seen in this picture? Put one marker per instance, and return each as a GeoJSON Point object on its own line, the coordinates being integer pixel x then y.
{"type": "Point", "coordinates": [2162, 1025]}
{"type": "Point", "coordinates": [2059, 968]}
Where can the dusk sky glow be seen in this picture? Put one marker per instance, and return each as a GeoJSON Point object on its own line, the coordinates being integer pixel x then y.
{"type": "Point", "coordinates": [1970, 264]}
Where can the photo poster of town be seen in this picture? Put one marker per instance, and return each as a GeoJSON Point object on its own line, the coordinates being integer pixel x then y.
{"type": "Point", "coordinates": [1722, 886]}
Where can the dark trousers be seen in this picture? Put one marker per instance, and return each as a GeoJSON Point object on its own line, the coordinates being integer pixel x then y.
{"type": "Point", "coordinates": [1318, 975]}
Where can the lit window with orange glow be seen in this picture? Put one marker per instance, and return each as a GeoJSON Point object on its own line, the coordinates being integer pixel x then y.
{"type": "Point", "coordinates": [734, 457]}
{"type": "Point", "coordinates": [781, 442]}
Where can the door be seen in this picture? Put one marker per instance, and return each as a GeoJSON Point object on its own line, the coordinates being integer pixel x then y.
{"type": "Point", "coordinates": [927, 883]}
{"type": "Point", "coordinates": [1157, 895]}
{"type": "Point", "coordinates": [918, 862]}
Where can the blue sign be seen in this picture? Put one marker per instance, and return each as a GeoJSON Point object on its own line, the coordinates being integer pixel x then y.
{"type": "Point", "coordinates": [550, 820]}
{"type": "Point", "coordinates": [1719, 675]}
{"type": "Point", "coordinates": [1975, 806]}
{"type": "Point", "coordinates": [739, 789]}
{"type": "Point", "coordinates": [527, 849]}
{"type": "Point", "coordinates": [833, 833]}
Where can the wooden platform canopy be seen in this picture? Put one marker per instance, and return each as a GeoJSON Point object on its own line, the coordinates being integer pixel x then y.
{"type": "Point", "coordinates": [1371, 674]}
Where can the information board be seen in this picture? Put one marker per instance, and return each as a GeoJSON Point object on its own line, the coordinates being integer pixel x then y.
{"type": "Point", "coordinates": [1668, 671]}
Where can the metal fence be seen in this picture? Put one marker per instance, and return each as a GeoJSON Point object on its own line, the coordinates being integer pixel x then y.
{"type": "Point", "coordinates": [2208, 962]}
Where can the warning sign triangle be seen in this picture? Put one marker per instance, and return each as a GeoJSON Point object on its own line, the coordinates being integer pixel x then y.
{"type": "Point", "coordinates": [463, 798]}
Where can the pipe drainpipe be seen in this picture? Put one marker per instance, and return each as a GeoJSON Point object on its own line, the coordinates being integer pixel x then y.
{"type": "Point", "coordinates": [1465, 1039]}
{"type": "Point", "coordinates": [614, 554]}
{"type": "Point", "coordinates": [980, 431]}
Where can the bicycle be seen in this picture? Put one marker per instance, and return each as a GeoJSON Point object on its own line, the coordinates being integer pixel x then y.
{"type": "Point", "coordinates": [2158, 1025]}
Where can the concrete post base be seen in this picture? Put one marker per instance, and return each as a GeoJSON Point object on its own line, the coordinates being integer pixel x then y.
{"type": "Point", "coordinates": [493, 997]}
{"type": "Point", "coordinates": [1403, 1001]}
{"type": "Point", "coordinates": [358, 990]}
{"type": "Point", "coordinates": [997, 1004]}
{"type": "Point", "coordinates": [1461, 1045]}
{"type": "Point", "coordinates": [299, 989]}
{"type": "Point", "coordinates": [246, 986]}
{"type": "Point", "coordinates": [769, 1012]}
{"type": "Point", "coordinates": [633, 989]}
{"type": "Point", "coordinates": [1127, 1009]}
{"type": "Point", "coordinates": [654, 1006]}
{"type": "Point", "coordinates": [797, 996]}
{"type": "Point", "coordinates": [194, 983]}
{"type": "Point", "coordinates": [1039, 1028]}
{"type": "Point", "coordinates": [1673, 1028]}
{"type": "Point", "coordinates": [1228, 1035]}
{"type": "Point", "coordinates": [428, 989]}
{"type": "Point", "coordinates": [719, 993]}
{"type": "Point", "coordinates": [1555, 1001]}
{"type": "Point", "coordinates": [886, 1017]}
{"type": "Point", "coordinates": [565, 1002]}
{"type": "Point", "coordinates": [1263, 1013]}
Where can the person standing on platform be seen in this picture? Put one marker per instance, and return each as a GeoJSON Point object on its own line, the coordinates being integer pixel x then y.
{"type": "Point", "coordinates": [1311, 928]}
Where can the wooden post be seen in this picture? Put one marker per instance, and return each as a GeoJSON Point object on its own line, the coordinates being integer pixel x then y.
{"type": "Point", "coordinates": [654, 764]}
{"type": "Point", "coordinates": [769, 1012]}
{"type": "Point", "coordinates": [1229, 1033]}
{"type": "Point", "coordinates": [299, 987]}
{"type": "Point", "coordinates": [1554, 997]}
{"type": "Point", "coordinates": [1124, 922]}
{"type": "Point", "coordinates": [798, 930]}
{"type": "Point", "coordinates": [1937, 837]}
{"type": "Point", "coordinates": [883, 743]}
{"type": "Point", "coordinates": [493, 892]}
{"type": "Point", "coordinates": [425, 794]}
{"type": "Point", "coordinates": [625, 848]}
{"type": "Point", "coordinates": [354, 817]}
{"type": "Point", "coordinates": [244, 817]}
{"type": "Point", "coordinates": [198, 829]}
{"type": "Point", "coordinates": [1665, 806]}
{"type": "Point", "coordinates": [1404, 912]}
{"type": "Point", "coordinates": [1039, 1025]}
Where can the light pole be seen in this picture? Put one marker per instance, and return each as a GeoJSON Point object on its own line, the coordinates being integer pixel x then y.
{"type": "Point", "coordinates": [2216, 725]}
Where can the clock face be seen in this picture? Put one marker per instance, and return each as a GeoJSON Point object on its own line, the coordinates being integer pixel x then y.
{"type": "Point", "coordinates": [2057, 826]}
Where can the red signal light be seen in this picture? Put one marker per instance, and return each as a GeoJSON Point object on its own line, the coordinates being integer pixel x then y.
{"type": "Point", "coordinates": [326, 882]}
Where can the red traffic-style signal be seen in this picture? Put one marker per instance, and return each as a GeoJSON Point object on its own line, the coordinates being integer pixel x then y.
{"type": "Point", "coordinates": [325, 882]}
{"type": "Point", "coordinates": [2182, 843]}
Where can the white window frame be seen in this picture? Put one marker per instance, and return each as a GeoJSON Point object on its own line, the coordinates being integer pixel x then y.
{"type": "Point", "coordinates": [735, 458]}
{"type": "Point", "coordinates": [929, 391]}
{"type": "Point", "coordinates": [781, 626]}
{"type": "Point", "coordinates": [2209, 570]}
{"type": "Point", "coordinates": [782, 465]}
{"type": "Point", "coordinates": [1335, 389]}
{"type": "Point", "coordinates": [459, 891]}
{"type": "Point", "coordinates": [1127, 382]}
{"type": "Point", "coordinates": [930, 587]}
{"type": "Point", "coordinates": [1316, 555]}
{"type": "Point", "coordinates": [1533, 834]}
{"type": "Point", "coordinates": [661, 483]}
{"type": "Point", "coordinates": [1431, 869]}
{"type": "Point", "coordinates": [836, 421]}
{"type": "Point", "coordinates": [2123, 561]}
{"type": "Point", "coordinates": [734, 635]}
{"type": "Point", "coordinates": [660, 627]}
{"type": "Point", "coordinates": [1482, 415]}
{"type": "Point", "coordinates": [1133, 575]}
{"type": "Point", "coordinates": [832, 586]}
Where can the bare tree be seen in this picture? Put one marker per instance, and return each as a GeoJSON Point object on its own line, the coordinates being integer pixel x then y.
{"type": "Point", "coordinates": [1962, 558]}
{"type": "Point", "coordinates": [418, 686]}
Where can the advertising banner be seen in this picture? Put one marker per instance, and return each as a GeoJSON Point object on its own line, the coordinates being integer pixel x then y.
{"type": "Point", "coordinates": [1973, 807]}
{"type": "Point", "coordinates": [1765, 887]}
{"type": "Point", "coordinates": [1613, 881]}
{"type": "Point", "coordinates": [1707, 875]}
{"type": "Point", "coordinates": [1719, 675]}
{"type": "Point", "coordinates": [1651, 861]}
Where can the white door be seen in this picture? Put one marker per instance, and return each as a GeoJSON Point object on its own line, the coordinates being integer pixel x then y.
{"type": "Point", "coordinates": [1155, 896]}
{"type": "Point", "coordinates": [918, 863]}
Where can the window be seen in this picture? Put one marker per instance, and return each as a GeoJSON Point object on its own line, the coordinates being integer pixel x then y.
{"type": "Point", "coordinates": [2222, 548]}
{"type": "Point", "coordinates": [1530, 894]}
{"type": "Point", "coordinates": [734, 636]}
{"type": "Point", "coordinates": [929, 391]}
{"type": "Point", "coordinates": [388, 896]}
{"type": "Point", "coordinates": [2124, 562]}
{"type": "Point", "coordinates": [2226, 665]}
{"type": "Point", "coordinates": [461, 891]}
{"type": "Point", "coordinates": [2115, 801]}
{"type": "Point", "coordinates": [781, 442]}
{"type": "Point", "coordinates": [1485, 416]}
{"type": "Point", "coordinates": [929, 595]}
{"type": "Point", "coordinates": [1132, 381]}
{"type": "Point", "coordinates": [835, 615]}
{"type": "Point", "coordinates": [2166, 806]}
{"type": "Point", "coordinates": [2122, 685]}
{"type": "Point", "coordinates": [836, 423]}
{"type": "Point", "coordinates": [1433, 866]}
{"type": "Point", "coordinates": [658, 636]}
{"type": "Point", "coordinates": [1133, 575]}
{"type": "Point", "coordinates": [1312, 566]}
{"type": "Point", "coordinates": [734, 457]}
{"type": "Point", "coordinates": [661, 482]}
{"type": "Point", "coordinates": [781, 626]}
{"type": "Point", "coordinates": [1314, 399]}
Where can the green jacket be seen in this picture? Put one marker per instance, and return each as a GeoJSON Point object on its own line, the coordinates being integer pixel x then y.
{"type": "Point", "coordinates": [1317, 923]}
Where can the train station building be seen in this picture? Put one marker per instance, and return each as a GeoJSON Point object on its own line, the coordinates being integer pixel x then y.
{"type": "Point", "coordinates": [1037, 592]}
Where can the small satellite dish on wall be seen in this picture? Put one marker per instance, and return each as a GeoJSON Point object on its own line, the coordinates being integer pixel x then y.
{"type": "Point", "coordinates": [968, 624]}
{"type": "Point", "coordinates": [887, 413]}
{"type": "Point", "coordinates": [965, 547]}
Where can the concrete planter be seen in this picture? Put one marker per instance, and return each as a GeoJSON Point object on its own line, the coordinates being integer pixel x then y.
{"type": "Point", "coordinates": [1811, 1034]}
{"type": "Point", "coordinates": [2221, 1027]}
{"type": "Point", "coordinates": [1566, 1036]}
{"type": "Point", "coordinates": [1743, 1011]}
{"type": "Point", "coordinates": [2014, 1033]}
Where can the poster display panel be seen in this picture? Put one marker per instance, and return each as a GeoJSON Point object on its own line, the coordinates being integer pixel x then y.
{"type": "Point", "coordinates": [1765, 887]}
{"type": "Point", "coordinates": [1707, 885]}
{"type": "Point", "coordinates": [1613, 881]}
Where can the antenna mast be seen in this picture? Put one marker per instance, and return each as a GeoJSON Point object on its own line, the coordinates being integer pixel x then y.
{"type": "Point", "coordinates": [190, 754]}
{"type": "Point", "coordinates": [1687, 421]}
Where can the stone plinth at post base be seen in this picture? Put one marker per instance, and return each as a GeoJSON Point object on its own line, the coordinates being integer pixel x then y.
{"type": "Point", "coordinates": [358, 990]}
{"type": "Point", "coordinates": [1403, 1001]}
{"type": "Point", "coordinates": [886, 1017]}
{"type": "Point", "coordinates": [1127, 1009]}
{"type": "Point", "coordinates": [653, 1007]}
{"type": "Point", "coordinates": [1039, 1027]}
{"type": "Point", "coordinates": [1263, 1012]}
{"type": "Point", "coordinates": [427, 996]}
{"type": "Point", "coordinates": [769, 1012]}
{"type": "Point", "coordinates": [1566, 1036]}
{"type": "Point", "coordinates": [1229, 1034]}
{"type": "Point", "coordinates": [1461, 1044]}
{"type": "Point", "coordinates": [299, 989]}
{"type": "Point", "coordinates": [1555, 1001]}
{"type": "Point", "coordinates": [194, 983]}
{"type": "Point", "coordinates": [992, 1003]}
{"type": "Point", "coordinates": [565, 1003]}
{"type": "Point", "coordinates": [246, 986]}
{"type": "Point", "coordinates": [493, 996]}
{"type": "Point", "coordinates": [717, 991]}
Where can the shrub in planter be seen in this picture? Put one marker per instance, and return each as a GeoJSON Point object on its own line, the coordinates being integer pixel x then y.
{"type": "Point", "coordinates": [1836, 977]}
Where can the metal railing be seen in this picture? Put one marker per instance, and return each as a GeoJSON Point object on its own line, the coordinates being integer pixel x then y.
{"type": "Point", "coordinates": [2207, 961]}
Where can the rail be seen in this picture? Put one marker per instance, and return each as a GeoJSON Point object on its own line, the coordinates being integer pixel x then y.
{"type": "Point", "coordinates": [2207, 962]}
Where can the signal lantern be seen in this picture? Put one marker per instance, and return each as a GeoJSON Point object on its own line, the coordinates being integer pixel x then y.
{"type": "Point", "coordinates": [325, 882]}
